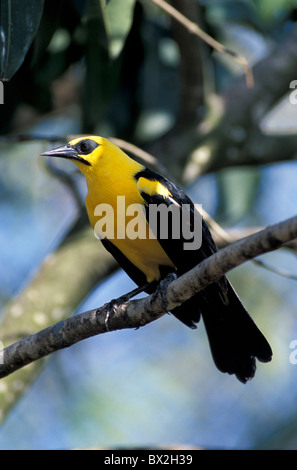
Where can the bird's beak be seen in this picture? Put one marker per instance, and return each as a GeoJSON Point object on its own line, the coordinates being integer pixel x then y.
{"type": "Point", "coordinates": [65, 151]}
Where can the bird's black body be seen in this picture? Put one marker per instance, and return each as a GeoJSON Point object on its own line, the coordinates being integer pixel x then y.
{"type": "Point", "coordinates": [234, 338]}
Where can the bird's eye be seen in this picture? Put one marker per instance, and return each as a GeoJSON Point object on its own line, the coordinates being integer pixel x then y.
{"type": "Point", "coordinates": [85, 147]}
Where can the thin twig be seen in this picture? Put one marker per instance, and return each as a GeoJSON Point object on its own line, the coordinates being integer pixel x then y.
{"type": "Point", "coordinates": [272, 269]}
{"type": "Point", "coordinates": [193, 28]}
{"type": "Point", "coordinates": [227, 238]}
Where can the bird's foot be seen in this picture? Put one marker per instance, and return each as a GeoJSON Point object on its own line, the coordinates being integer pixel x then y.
{"type": "Point", "coordinates": [162, 289]}
{"type": "Point", "coordinates": [113, 304]}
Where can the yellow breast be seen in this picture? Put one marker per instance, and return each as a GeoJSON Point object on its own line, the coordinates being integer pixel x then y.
{"type": "Point", "coordinates": [121, 219]}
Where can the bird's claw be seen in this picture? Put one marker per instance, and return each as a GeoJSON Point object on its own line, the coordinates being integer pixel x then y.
{"type": "Point", "coordinates": [162, 289]}
{"type": "Point", "coordinates": [112, 306]}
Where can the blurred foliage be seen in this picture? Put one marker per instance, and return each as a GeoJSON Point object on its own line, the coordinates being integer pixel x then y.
{"type": "Point", "coordinates": [90, 34]}
{"type": "Point", "coordinates": [111, 50]}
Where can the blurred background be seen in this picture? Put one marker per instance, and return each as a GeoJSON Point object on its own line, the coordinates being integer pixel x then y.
{"type": "Point", "coordinates": [125, 70]}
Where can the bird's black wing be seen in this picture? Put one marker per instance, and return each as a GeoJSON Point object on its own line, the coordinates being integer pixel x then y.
{"type": "Point", "coordinates": [235, 340]}
{"type": "Point", "coordinates": [183, 258]}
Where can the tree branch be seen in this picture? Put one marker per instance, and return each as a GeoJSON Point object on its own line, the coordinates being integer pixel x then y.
{"type": "Point", "coordinates": [136, 313]}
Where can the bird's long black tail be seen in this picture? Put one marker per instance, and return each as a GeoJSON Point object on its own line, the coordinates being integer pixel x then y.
{"type": "Point", "coordinates": [235, 340]}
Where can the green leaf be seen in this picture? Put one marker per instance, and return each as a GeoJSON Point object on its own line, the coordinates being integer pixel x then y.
{"type": "Point", "coordinates": [102, 73]}
{"type": "Point", "coordinates": [19, 22]}
{"type": "Point", "coordinates": [271, 10]}
{"type": "Point", "coordinates": [118, 18]}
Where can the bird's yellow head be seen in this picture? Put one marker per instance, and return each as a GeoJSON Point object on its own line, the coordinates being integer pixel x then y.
{"type": "Point", "coordinates": [85, 152]}
{"type": "Point", "coordinates": [96, 157]}
{"type": "Point", "coordinates": [107, 169]}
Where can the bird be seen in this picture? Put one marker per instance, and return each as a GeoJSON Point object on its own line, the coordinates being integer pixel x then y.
{"type": "Point", "coordinates": [111, 176]}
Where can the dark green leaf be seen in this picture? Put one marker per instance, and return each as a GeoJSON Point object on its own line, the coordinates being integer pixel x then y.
{"type": "Point", "coordinates": [118, 18]}
{"type": "Point", "coordinates": [19, 23]}
{"type": "Point", "coordinates": [102, 73]}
